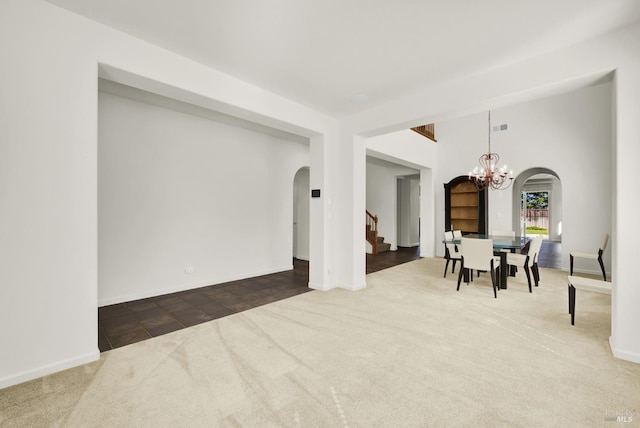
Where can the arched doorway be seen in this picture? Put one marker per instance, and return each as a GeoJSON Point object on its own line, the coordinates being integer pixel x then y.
{"type": "Point", "coordinates": [301, 189]}
{"type": "Point", "coordinates": [537, 210]}
{"type": "Point", "coordinates": [540, 181]}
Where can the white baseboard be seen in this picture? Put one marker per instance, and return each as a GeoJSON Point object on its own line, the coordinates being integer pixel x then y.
{"type": "Point", "coordinates": [624, 355]}
{"type": "Point", "coordinates": [321, 287]}
{"type": "Point", "coordinates": [183, 287]}
{"type": "Point", "coordinates": [354, 287]}
{"type": "Point", "coordinates": [48, 369]}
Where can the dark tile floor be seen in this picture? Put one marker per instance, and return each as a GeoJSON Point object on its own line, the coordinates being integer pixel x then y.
{"type": "Point", "coordinates": [131, 322]}
{"type": "Point", "coordinates": [550, 255]}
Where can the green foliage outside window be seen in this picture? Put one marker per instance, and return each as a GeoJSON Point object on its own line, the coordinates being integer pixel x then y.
{"type": "Point", "coordinates": [538, 200]}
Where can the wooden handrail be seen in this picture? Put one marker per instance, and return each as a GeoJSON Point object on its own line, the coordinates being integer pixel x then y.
{"type": "Point", "coordinates": [428, 131]}
{"type": "Point", "coordinates": [371, 231]}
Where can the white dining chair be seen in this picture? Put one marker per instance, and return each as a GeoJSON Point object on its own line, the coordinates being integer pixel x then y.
{"type": "Point", "coordinates": [509, 233]}
{"type": "Point", "coordinates": [451, 252]}
{"type": "Point", "coordinates": [457, 234]}
{"type": "Point", "coordinates": [478, 254]}
{"type": "Point", "coordinates": [591, 256]}
{"type": "Point", "coordinates": [586, 284]}
{"type": "Point", "coordinates": [528, 261]}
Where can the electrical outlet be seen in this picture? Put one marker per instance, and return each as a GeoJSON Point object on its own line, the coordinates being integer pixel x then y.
{"type": "Point", "coordinates": [189, 269]}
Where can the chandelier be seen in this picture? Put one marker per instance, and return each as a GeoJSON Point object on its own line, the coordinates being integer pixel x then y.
{"type": "Point", "coordinates": [489, 175]}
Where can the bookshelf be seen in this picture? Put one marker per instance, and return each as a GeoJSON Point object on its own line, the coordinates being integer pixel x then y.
{"type": "Point", "coordinates": [465, 207]}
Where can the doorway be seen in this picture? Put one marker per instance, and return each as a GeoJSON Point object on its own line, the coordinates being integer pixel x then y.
{"type": "Point", "coordinates": [537, 182]}
{"type": "Point", "coordinates": [408, 211]}
{"type": "Point", "coordinates": [534, 213]}
{"type": "Point", "coordinates": [301, 199]}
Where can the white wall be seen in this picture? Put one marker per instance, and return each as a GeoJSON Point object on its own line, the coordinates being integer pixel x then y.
{"type": "Point", "coordinates": [167, 183]}
{"type": "Point", "coordinates": [569, 134]}
{"type": "Point", "coordinates": [48, 171]}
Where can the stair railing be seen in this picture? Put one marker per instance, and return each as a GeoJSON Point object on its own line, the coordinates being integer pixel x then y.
{"type": "Point", "coordinates": [371, 230]}
{"type": "Point", "coordinates": [428, 131]}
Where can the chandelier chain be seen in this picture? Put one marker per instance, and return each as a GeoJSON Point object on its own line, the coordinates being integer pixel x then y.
{"type": "Point", "coordinates": [489, 133]}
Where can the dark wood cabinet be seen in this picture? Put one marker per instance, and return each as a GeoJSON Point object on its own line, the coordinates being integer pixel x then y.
{"type": "Point", "coordinates": [465, 207]}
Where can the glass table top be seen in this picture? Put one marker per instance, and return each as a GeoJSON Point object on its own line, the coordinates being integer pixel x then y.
{"type": "Point", "coordinates": [499, 242]}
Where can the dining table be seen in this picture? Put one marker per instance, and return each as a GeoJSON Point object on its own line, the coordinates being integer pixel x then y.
{"type": "Point", "coordinates": [500, 243]}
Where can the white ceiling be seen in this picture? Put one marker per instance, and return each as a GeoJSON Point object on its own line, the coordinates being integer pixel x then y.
{"type": "Point", "coordinates": [322, 53]}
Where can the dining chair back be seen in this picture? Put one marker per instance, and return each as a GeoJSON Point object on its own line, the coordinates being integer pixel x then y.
{"type": "Point", "coordinates": [605, 241]}
{"type": "Point", "coordinates": [534, 250]}
{"type": "Point", "coordinates": [478, 254]}
{"type": "Point", "coordinates": [528, 261]}
{"type": "Point", "coordinates": [448, 236]}
{"type": "Point", "coordinates": [586, 284]}
{"type": "Point", "coordinates": [591, 256]}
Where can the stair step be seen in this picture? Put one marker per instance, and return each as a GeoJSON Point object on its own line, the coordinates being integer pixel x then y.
{"type": "Point", "coordinates": [384, 247]}
{"type": "Point", "coordinates": [380, 239]}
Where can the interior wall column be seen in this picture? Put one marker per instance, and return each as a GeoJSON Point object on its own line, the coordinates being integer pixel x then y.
{"type": "Point", "coordinates": [337, 252]}
{"type": "Point", "coordinates": [319, 215]}
{"type": "Point", "coordinates": [347, 211]}
{"type": "Point", "coordinates": [359, 206]}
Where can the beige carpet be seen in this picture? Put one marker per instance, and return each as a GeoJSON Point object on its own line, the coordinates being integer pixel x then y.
{"type": "Point", "coordinates": [407, 351]}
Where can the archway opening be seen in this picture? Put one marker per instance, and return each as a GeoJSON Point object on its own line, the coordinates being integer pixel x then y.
{"type": "Point", "coordinates": [301, 198]}
{"type": "Point", "coordinates": [537, 210]}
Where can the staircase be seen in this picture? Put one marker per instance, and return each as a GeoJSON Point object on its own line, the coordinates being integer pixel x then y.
{"type": "Point", "coordinates": [371, 235]}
